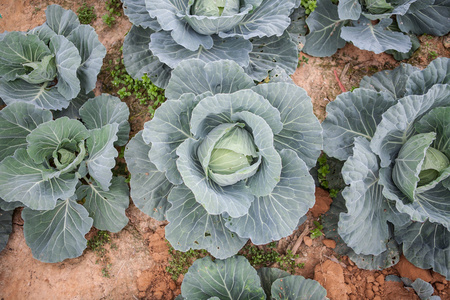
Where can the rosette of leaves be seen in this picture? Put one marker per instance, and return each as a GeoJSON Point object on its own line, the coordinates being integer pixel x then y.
{"type": "Point", "coordinates": [234, 279]}
{"type": "Point", "coordinates": [225, 160]}
{"type": "Point", "coordinates": [375, 25]}
{"type": "Point", "coordinates": [60, 171]}
{"type": "Point", "coordinates": [393, 134]}
{"type": "Point", "coordinates": [257, 34]}
{"type": "Point", "coordinates": [53, 65]}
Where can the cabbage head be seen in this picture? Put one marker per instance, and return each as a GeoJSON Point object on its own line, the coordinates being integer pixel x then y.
{"type": "Point", "coordinates": [225, 160]}
{"type": "Point", "coordinates": [60, 171]}
{"type": "Point", "coordinates": [53, 65]}
{"type": "Point", "coordinates": [257, 34]}
{"type": "Point", "coordinates": [394, 135]}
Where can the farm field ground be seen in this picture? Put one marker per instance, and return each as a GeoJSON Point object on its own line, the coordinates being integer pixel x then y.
{"type": "Point", "coordinates": [132, 264]}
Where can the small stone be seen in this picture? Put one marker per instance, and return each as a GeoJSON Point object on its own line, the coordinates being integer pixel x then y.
{"type": "Point", "coordinates": [172, 285]}
{"type": "Point", "coordinates": [440, 286]}
{"type": "Point", "coordinates": [329, 243]}
{"type": "Point", "coordinates": [446, 41]}
{"type": "Point", "coordinates": [376, 283]}
{"type": "Point", "coordinates": [377, 298]}
{"type": "Point", "coordinates": [350, 268]}
{"type": "Point", "coordinates": [370, 278]}
{"type": "Point", "coordinates": [308, 241]}
{"type": "Point", "coordinates": [358, 277]}
{"type": "Point", "coordinates": [353, 297]}
{"type": "Point", "coordinates": [375, 288]}
{"type": "Point", "coordinates": [370, 294]}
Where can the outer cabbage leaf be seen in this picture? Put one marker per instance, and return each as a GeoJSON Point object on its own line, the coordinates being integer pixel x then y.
{"type": "Point", "coordinates": [385, 260]}
{"type": "Point", "coordinates": [426, 245]}
{"type": "Point", "coordinates": [276, 215]}
{"type": "Point", "coordinates": [432, 19]}
{"type": "Point", "coordinates": [5, 227]}
{"type": "Point", "coordinates": [149, 187]}
{"type": "Point", "coordinates": [68, 61]}
{"type": "Point", "coordinates": [30, 184]}
{"type": "Point", "coordinates": [168, 13]}
{"type": "Point", "coordinates": [72, 111]}
{"type": "Point", "coordinates": [301, 131]}
{"type": "Point", "coordinates": [102, 154]}
{"type": "Point", "coordinates": [271, 52]}
{"type": "Point", "coordinates": [364, 228]}
{"type": "Point", "coordinates": [57, 234]}
{"type": "Point", "coordinates": [16, 122]}
{"type": "Point", "coordinates": [139, 59]}
{"type": "Point", "coordinates": [107, 208]}
{"type": "Point", "coordinates": [438, 121]}
{"type": "Point", "coordinates": [106, 109]}
{"type": "Point", "coordinates": [166, 131]}
{"type": "Point", "coordinates": [268, 276]}
{"type": "Point", "coordinates": [18, 49]}
{"type": "Point", "coordinates": [60, 20]}
{"type": "Point", "coordinates": [397, 124]}
{"type": "Point", "coordinates": [349, 9]}
{"type": "Point", "coordinates": [198, 77]}
{"type": "Point", "coordinates": [390, 81]}
{"type": "Point", "coordinates": [353, 114]}
{"type": "Point", "coordinates": [268, 19]}
{"type": "Point", "coordinates": [233, 279]}
{"type": "Point", "coordinates": [191, 227]}
{"type": "Point", "coordinates": [437, 72]}
{"type": "Point", "coordinates": [136, 11]}
{"type": "Point", "coordinates": [8, 206]}
{"type": "Point", "coordinates": [43, 32]}
{"type": "Point", "coordinates": [41, 95]}
{"type": "Point", "coordinates": [376, 38]}
{"type": "Point", "coordinates": [325, 29]}
{"type": "Point", "coordinates": [297, 287]}
{"type": "Point", "coordinates": [92, 53]}
{"type": "Point", "coordinates": [171, 53]}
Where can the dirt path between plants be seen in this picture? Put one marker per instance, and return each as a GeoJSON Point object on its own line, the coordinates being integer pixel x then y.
{"type": "Point", "coordinates": [132, 264]}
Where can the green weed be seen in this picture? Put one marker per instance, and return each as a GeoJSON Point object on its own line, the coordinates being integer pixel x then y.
{"type": "Point", "coordinates": [268, 255]}
{"type": "Point", "coordinates": [317, 231]}
{"type": "Point", "coordinates": [309, 5]}
{"type": "Point", "coordinates": [114, 9]}
{"type": "Point", "coordinates": [86, 14]}
{"type": "Point", "coordinates": [144, 90]}
{"type": "Point", "coordinates": [97, 244]}
{"type": "Point", "coordinates": [323, 171]}
{"type": "Point", "coordinates": [179, 262]}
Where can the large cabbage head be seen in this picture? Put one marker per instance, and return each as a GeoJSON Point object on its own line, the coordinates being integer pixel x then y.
{"type": "Point", "coordinates": [394, 134]}
{"type": "Point", "coordinates": [225, 160]}
{"type": "Point", "coordinates": [253, 33]}
{"type": "Point", "coordinates": [52, 65]}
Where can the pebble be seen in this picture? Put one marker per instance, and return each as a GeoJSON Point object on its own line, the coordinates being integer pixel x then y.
{"type": "Point", "coordinates": [353, 297]}
{"type": "Point", "coordinates": [440, 286]}
{"type": "Point", "coordinates": [358, 277]}
{"type": "Point", "coordinates": [370, 278]}
{"type": "Point", "coordinates": [375, 288]}
{"type": "Point", "coordinates": [370, 294]}
{"type": "Point", "coordinates": [308, 241]}
{"type": "Point", "coordinates": [446, 41]}
{"type": "Point", "coordinates": [350, 268]}
{"type": "Point", "coordinates": [329, 243]}
{"type": "Point", "coordinates": [377, 298]}
{"type": "Point", "coordinates": [380, 279]}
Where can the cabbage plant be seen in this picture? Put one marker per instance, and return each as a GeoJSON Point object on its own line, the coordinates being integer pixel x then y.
{"type": "Point", "coordinates": [375, 25]}
{"type": "Point", "coordinates": [393, 134]}
{"type": "Point", "coordinates": [225, 160]}
{"type": "Point", "coordinates": [52, 65]}
{"type": "Point", "coordinates": [60, 171]}
{"type": "Point", "coordinates": [257, 34]}
{"type": "Point", "coordinates": [234, 279]}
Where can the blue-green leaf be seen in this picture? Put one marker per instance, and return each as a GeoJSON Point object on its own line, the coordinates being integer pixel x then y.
{"type": "Point", "coordinates": [5, 227]}
{"type": "Point", "coordinates": [106, 208]}
{"type": "Point", "coordinates": [61, 21]}
{"type": "Point", "coordinates": [57, 234]}
{"type": "Point", "coordinates": [191, 227]}
{"type": "Point", "coordinates": [106, 109]}
{"type": "Point", "coordinates": [349, 9]}
{"type": "Point", "coordinates": [230, 279]}
{"type": "Point", "coordinates": [297, 287]}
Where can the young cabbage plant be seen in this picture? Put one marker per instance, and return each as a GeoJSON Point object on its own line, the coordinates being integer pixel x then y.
{"type": "Point", "coordinates": [60, 170]}
{"type": "Point", "coordinates": [235, 279]}
{"type": "Point", "coordinates": [225, 160]}
{"type": "Point", "coordinates": [53, 65]}
{"type": "Point", "coordinates": [376, 25]}
{"type": "Point", "coordinates": [393, 134]}
{"type": "Point", "coordinates": [257, 34]}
